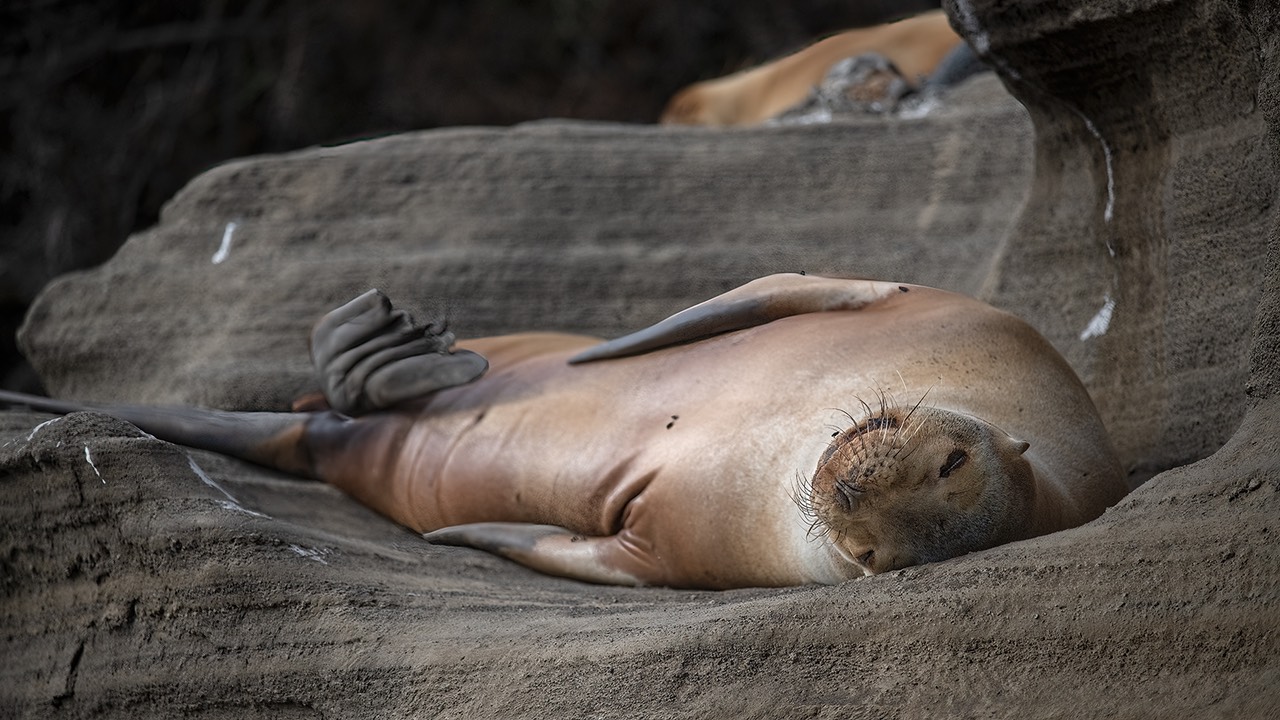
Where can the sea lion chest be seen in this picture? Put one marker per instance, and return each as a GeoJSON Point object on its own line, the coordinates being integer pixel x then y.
{"type": "Point", "coordinates": [714, 432]}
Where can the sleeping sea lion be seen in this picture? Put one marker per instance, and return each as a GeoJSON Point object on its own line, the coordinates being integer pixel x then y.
{"type": "Point", "coordinates": [915, 46]}
{"type": "Point", "coordinates": [794, 430]}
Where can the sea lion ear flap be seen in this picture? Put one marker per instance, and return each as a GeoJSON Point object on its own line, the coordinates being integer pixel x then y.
{"type": "Point", "coordinates": [1020, 445]}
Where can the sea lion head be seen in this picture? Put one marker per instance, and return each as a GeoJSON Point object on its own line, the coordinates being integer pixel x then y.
{"type": "Point", "coordinates": [905, 486]}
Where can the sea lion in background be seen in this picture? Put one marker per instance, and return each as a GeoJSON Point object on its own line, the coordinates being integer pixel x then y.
{"type": "Point", "coordinates": [794, 430]}
{"type": "Point", "coordinates": [915, 46]}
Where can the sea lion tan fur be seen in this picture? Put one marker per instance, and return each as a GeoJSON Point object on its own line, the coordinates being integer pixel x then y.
{"type": "Point", "coordinates": [794, 430]}
{"type": "Point", "coordinates": [915, 46]}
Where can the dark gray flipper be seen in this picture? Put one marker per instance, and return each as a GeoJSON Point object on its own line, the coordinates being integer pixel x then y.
{"type": "Point", "coordinates": [267, 438]}
{"type": "Point", "coordinates": [369, 356]}
{"type": "Point", "coordinates": [756, 303]}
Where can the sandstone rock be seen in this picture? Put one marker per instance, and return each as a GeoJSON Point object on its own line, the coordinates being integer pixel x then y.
{"type": "Point", "coordinates": [1153, 204]}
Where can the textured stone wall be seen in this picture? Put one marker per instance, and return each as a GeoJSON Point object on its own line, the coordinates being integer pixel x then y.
{"type": "Point", "coordinates": [1154, 197]}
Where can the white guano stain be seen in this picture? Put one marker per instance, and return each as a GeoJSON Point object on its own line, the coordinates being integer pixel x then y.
{"type": "Point", "coordinates": [224, 250]}
{"type": "Point", "coordinates": [237, 507]}
{"type": "Point", "coordinates": [1111, 176]}
{"type": "Point", "coordinates": [31, 435]}
{"type": "Point", "coordinates": [311, 553]}
{"type": "Point", "coordinates": [200, 473]}
{"type": "Point", "coordinates": [1097, 327]}
{"type": "Point", "coordinates": [230, 503]}
{"type": "Point", "coordinates": [981, 42]}
{"type": "Point", "coordinates": [89, 459]}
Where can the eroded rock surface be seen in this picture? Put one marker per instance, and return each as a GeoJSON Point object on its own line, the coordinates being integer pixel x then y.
{"type": "Point", "coordinates": [1154, 204]}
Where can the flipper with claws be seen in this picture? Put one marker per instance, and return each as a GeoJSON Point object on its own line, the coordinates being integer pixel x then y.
{"type": "Point", "coordinates": [370, 356]}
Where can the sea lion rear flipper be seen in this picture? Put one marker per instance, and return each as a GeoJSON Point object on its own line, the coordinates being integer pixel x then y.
{"type": "Point", "coordinates": [550, 549]}
{"type": "Point", "coordinates": [369, 356]}
{"type": "Point", "coordinates": [756, 303]}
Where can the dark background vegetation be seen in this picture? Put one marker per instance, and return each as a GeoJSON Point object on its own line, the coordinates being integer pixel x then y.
{"type": "Point", "coordinates": [109, 107]}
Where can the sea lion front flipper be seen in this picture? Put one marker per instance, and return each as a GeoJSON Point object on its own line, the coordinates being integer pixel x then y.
{"type": "Point", "coordinates": [370, 356]}
{"type": "Point", "coordinates": [549, 549]}
{"type": "Point", "coordinates": [756, 303]}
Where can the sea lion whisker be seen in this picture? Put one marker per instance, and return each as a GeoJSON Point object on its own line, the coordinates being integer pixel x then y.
{"type": "Point", "coordinates": [883, 400]}
{"type": "Point", "coordinates": [907, 443]}
{"type": "Point", "coordinates": [915, 407]}
{"type": "Point", "coordinates": [864, 405]}
{"type": "Point", "coordinates": [888, 401]}
{"type": "Point", "coordinates": [801, 493]}
{"type": "Point", "coordinates": [909, 432]}
{"type": "Point", "coordinates": [898, 444]}
{"type": "Point", "coordinates": [798, 496]}
{"type": "Point", "coordinates": [862, 442]}
{"type": "Point", "coordinates": [847, 414]}
{"type": "Point", "coordinates": [857, 430]}
{"type": "Point", "coordinates": [818, 530]}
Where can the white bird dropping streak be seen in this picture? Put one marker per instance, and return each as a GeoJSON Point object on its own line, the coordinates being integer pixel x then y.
{"type": "Point", "coordinates": [1111, 177]}
{"type": "Point", "coordinates": [310, 553]}
{"type": "Point", "coordinates": [230, 503]}
{"type": "Point", "coordinates": [200, 473]}
{"type": "Point", "coordinates": [89, 459]}
{"type": "Point", "coordinates": [41, 426]}
{"type": "Point", "coordinates": [225, 249]}
{"type": "Point", "coordinates": [1097, 327]}
{"type": "Point", "coordinates": [981, 41]}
